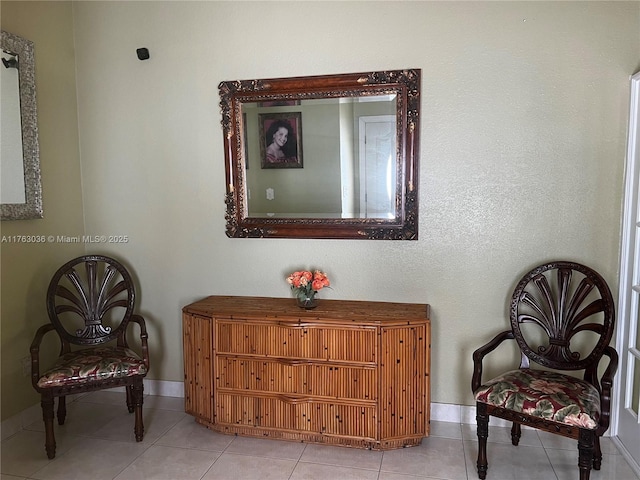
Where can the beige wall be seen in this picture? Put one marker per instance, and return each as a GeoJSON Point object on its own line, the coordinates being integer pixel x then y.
{"type": "Point", "coordinates": [27, 268]}
{"type": "Point", "coordinates": [524, 115]}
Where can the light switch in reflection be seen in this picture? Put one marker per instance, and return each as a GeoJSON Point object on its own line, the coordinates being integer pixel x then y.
{"type": "Point", "coordinates": [270, 194]}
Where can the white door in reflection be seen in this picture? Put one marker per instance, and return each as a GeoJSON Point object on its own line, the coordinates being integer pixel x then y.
{"type": "Point", "coordinates": [377, 137]}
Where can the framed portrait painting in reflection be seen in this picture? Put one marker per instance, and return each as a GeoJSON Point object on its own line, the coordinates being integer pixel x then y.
{"type": "Point", "coordinates": [280, 139]}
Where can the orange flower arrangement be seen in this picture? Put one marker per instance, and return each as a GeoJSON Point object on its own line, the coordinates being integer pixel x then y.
{"type": "Point", "coordinates": [307, 284]}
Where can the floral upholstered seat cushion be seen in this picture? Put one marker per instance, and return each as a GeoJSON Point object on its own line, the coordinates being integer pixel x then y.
{"type": "Point", "coordinates": [549, 395]}
{"type": "Point", "coordinates": [96, 363]}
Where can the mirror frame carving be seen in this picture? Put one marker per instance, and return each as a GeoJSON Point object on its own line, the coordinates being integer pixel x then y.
{"type": "Point", "coordinates": [32, 208]}
{"type": "Point", "coordinates": [404, 83]}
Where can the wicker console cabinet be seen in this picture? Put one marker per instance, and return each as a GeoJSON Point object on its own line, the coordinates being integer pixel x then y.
{"type": "Point", "coordinates": [345, 373]}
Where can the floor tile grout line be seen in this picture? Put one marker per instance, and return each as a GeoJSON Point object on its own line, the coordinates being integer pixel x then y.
{"type": "Point", "coordinates": [298, 461]}
{"type": "Point", "coordinates": [551, 463]}
{"type": "Point", "coordinates": [465, 448]}
{"type": "Point", "coordinates": [464, 452]}
{"type": "Point", "coordinates": [132, 461]}
{"type": "Point", "coordinates": [210, 467]}
{"type": "Point", "coordinates": [355, 467]}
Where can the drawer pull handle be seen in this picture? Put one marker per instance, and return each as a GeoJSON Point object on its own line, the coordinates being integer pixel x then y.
{"type": "Point", "coordinates": [294, 362]}
{"type": "Point", "coordinates": [296, 326]}
{"type": "Point", "coordinates": [294, 400]}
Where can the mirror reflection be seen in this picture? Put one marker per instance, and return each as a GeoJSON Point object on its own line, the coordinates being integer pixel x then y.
{"type": "Point", "coordinates": [20, 184]}
{"type": "Point", "coordinates": [12, 178]}
{"type": "Point", "coordinates": [324, 156]}
{"type": "Point", "coordinates": [321, 158]}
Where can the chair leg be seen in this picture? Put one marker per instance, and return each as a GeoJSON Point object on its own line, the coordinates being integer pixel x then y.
{"type": "Point", "coordinates": [482, 419]}
{"type": "Point", "coordinates": [62, 410]}
{"type": "Point", "coordinates": [597, 453]}
{"type": "Point", "coordinates": [46, 402]}
{"type": "Point", "coordinates": [585, 452]}
{"type": "Point", "coordinates": [129, 390]}
{"type": "Point", "coordinates": [516, 432]}
{"type": "Point", "coordinates": [137, 394]}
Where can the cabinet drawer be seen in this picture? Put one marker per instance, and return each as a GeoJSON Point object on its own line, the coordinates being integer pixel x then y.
{"type": "Point", "coordinates": [296, 414]}
{"type": "Point", "coordinates": [296, 377]}
{"type": "Point", "coordinates": [315, 342]}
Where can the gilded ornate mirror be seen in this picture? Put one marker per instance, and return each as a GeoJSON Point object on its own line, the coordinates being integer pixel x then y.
{"type": "Point", "coordinates": [20, 192]}
{"type": "Point", "coordinates": [332, 156]}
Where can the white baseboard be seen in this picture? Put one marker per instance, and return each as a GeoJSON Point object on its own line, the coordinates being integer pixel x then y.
{"type": "Point", "coordinates": [164, 388]}
{"type": "Point", "coordinates": [440, 412]}
{"type": "Point", "coordinates": [447, 412]}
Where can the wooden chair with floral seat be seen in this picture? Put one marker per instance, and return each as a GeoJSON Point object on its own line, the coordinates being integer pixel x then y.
{"type": "Point", "coordinates": [562, 318]}
{"type": "Point", "coordinates": [90, 302]}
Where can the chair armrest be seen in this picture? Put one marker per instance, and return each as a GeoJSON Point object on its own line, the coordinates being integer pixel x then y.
{"type": "Point", "coordinates": [607, 382]}
{"type": "Point", "coordinates": [143, 338]}
{"type": "Point", "coordinates": [35, 352]}
{"type": "Point", "coordinates": [480, 353]}
{"type": "Point", "coordinates": [612, 368]}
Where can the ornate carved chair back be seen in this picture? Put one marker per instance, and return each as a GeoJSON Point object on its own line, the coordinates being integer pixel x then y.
{"type": "Point", "coordinates": [90, 300]}
{"type": "Point", "coordinates": [562, 316]}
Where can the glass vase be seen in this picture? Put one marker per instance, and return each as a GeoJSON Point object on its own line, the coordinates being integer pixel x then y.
{"type": "Point", "coordinates": [307, 301]}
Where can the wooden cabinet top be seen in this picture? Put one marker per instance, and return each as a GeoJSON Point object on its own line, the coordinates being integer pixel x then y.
{"type": "Point", "coordinates": [285, 309]}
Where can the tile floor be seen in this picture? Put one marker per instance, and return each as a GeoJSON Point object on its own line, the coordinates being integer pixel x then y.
{"type": "Point", "coordinates": [97, 443]}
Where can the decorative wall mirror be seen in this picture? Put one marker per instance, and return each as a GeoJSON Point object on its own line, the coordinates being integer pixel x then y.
{"type": "Point", "coordinates": [332, 156]}
{"type": "Point", "coordinates": [20, 188]}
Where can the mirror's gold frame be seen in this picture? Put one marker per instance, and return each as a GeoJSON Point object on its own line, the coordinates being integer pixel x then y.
{"type": "Point", "coordinates": [32, 208]}
{"type": "Point", "coordinates": [405, 84]}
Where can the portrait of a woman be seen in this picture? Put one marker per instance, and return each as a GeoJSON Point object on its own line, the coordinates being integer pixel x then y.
{"type": "Point", "coordinates": [280, 143]}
